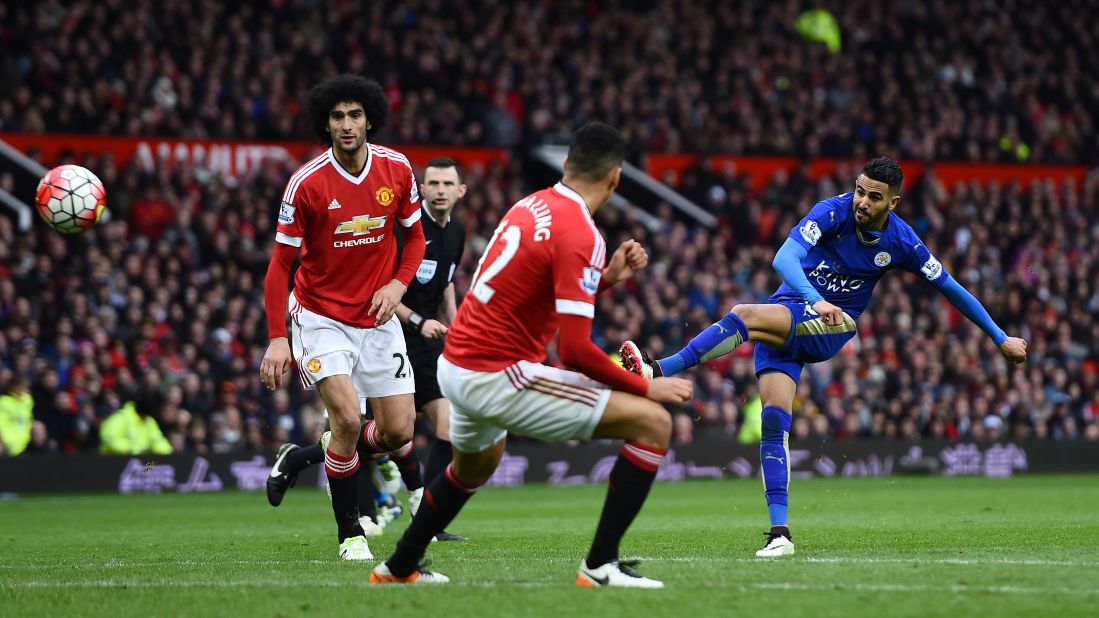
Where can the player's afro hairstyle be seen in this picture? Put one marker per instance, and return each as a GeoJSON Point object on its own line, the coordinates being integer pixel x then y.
{"type": "Point", "coordinates": [884, 169]}
{"type": "Point", "coordinates": [594, 151]}
{"type": "Point", "coordinates": [346, 88]}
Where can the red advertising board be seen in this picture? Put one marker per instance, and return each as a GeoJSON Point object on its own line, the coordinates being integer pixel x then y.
{"type": "Point", "coordinates": [232, 158]}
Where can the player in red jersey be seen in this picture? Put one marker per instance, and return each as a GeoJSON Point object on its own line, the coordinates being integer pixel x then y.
{"type": "Point", "coordinates": [342, 209]}
{"type": "Point", "coordinates": [540, 274]}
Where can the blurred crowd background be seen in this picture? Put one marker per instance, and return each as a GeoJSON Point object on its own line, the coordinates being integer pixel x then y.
{"type": "Point", "coordinates": [988, 80]}
{"type": "Point", "coordinates": [162, 305]}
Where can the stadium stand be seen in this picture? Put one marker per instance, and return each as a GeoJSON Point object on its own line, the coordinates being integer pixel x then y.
{"type": "Point", "coordinates": [918, 80]}
{"type": "Point", "coordinates": [165, 300]}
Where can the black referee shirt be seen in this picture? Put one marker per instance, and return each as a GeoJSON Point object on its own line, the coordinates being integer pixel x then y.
{"type": "Point", "coordinates": [441, 257]}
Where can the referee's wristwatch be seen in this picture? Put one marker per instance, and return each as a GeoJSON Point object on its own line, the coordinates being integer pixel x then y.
{"type": "Point", "coordinates": [416, 320]}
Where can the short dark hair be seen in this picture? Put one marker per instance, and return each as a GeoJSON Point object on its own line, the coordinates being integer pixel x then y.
{"type": "Point", "coordinates": [884, 169]}
{"type": "Point", "coordinates": [594, 151]}
{"type": "Point", "coordinates": [443, 163]}
{"type": "Point", "coordinates": [346, 88]}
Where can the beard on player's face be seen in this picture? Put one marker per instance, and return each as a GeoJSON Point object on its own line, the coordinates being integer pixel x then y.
{"type": "Point", "coordinates": [354, 142]}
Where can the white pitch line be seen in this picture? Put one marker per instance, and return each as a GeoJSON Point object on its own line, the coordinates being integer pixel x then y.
{"type": "Point", "coordinates": [121, 564]}
{"type": "Point", "coordinates": [563, 583]}
{"type": "Point", "coordinates": [932, 588]}
{"type": "Point", "coordinates": [857, 560]}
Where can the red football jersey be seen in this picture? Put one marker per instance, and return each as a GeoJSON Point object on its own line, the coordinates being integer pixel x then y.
{"type": "Point", "coordinates": [344, 226]}
{"type": "Point", "coordinates": [545, 259]}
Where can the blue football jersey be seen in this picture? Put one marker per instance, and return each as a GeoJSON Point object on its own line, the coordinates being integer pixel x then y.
{"type": "Point", "coordinates": [843, 267]}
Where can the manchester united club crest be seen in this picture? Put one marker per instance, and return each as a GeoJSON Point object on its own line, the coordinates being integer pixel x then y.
{"type": "Point", "coordinates": [385, 195]}
{"type": "Point", "coordinates": [314, 365]}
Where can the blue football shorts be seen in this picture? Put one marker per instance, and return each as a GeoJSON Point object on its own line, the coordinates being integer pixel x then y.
{"type": "Point", "coordinates": [810, 341]}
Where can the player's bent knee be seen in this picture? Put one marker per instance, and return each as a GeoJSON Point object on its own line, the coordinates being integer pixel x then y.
{"type": "Point", "coordinates": [396, 437]}
{"type": "Point", "coordinates": [746, 313]}
{"type": "Point", "coordinates": [401, 437]}
{"type": "Point", "coordinates": [343, 424]}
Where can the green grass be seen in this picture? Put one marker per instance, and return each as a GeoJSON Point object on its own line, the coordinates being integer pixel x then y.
{"type": "Point", "coordinates": [1026, 546]}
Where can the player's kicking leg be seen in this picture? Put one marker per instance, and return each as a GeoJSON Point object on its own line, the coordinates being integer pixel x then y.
{"type": "Point", "coordinates": [769, 323]}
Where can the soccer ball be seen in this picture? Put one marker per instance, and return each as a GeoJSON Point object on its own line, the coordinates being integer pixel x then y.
{"type": "Point", "coordinates": [70, 199]}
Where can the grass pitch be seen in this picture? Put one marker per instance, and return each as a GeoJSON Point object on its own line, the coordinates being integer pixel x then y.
{"type": "Point", "coordinates": [1027, 546]}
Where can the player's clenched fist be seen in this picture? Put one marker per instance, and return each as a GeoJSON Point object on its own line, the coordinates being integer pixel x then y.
{"type": "Point", "coordinates": [670, 390]}
{"type": "Point", "coordinates": [1014, 349]}
{"type": "Point", "coordinates": [629, 258]}
{"type": "Point", "coordinates": [275, 363]}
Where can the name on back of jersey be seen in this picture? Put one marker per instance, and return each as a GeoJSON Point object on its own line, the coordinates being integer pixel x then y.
{"type": "Point", "coordinates": [543, 217]}
{"type": "Point", "coordinates": [827, 279]}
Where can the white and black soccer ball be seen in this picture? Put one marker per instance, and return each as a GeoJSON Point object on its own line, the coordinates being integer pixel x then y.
{"type": "Point", "coordinates": [70, 199]}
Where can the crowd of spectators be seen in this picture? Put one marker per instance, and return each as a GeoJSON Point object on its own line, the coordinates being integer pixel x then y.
{"type": "Point", "coordinates": [168, 311]}
{"type": "Point", "coordinates": [162, 305]}
{"type": "Point", "coordinates": [988, 80]}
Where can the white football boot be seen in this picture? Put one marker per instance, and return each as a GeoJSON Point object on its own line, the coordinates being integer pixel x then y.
{"type": "Point", "coordinates": [355, 548]}
{"type": "Point", "coordinates": [778, 544]}
{"type": "Point", "coordinates": [615, 575]}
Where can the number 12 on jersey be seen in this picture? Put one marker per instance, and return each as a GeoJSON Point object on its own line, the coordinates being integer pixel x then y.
{"type": "Point", "coordinates": [511, 237]}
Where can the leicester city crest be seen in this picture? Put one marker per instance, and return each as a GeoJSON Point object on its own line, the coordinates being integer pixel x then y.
{"type": "Point", "coordinates": [882, 259]}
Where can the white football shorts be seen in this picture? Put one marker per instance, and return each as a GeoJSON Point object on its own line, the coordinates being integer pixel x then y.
{"type": "Point", "coordinates": [526, 398]}
{"type": "Point", "coordinates": [375, 358]}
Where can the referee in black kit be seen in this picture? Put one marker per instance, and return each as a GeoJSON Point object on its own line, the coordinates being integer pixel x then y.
{"type": "Point", "coordinates": [427, 309]}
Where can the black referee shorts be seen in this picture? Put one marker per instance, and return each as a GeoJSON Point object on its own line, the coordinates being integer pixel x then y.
{"type": "Point", "coordinates": [424, 355]}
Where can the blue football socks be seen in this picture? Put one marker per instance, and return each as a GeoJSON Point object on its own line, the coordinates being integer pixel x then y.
{"type": "Point", "coordinates": [717, 340]}
{"type": "Point", "coordinates": [774, 459]}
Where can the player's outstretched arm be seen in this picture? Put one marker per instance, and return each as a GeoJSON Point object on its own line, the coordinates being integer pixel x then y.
{"type": "Point", "coordinates": [629, 258]}
{"type": "Point", "coordinates": [1013, 349]}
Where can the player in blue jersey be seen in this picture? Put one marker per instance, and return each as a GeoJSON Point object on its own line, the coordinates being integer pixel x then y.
{"type": "Point", "coordinates": [830, 264]}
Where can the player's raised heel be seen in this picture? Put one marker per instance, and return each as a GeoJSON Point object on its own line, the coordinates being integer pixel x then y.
{"type": "Point", "coordinates": [636, 361]}
{"type": "Point", "coordinates": [279, 480]}
{"type": "Point", "coordinates": [382, 575]}
{"type": "Point", "coordinates": [778, 544]}
{"type": "Point", "coordinates": [355, 548]}
{"type": "Point", "coordinates": [615, 575]}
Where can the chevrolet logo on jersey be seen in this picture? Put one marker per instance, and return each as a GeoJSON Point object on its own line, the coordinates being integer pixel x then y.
{"type": "Point", "coordinates": [362, 224]}
{"type": "Point", "coordinates": [359, 226]}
